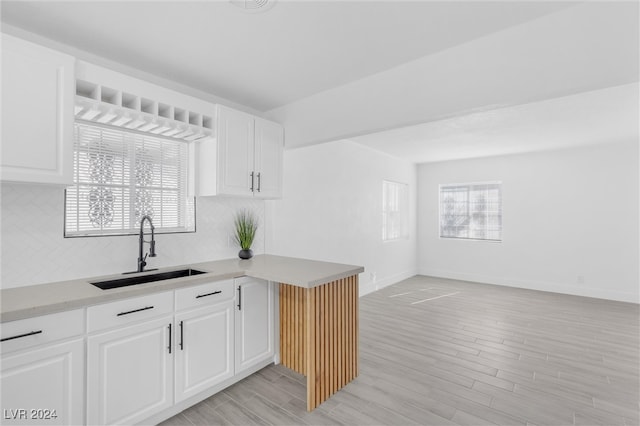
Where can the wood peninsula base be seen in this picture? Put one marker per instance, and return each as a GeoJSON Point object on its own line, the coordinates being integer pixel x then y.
{"type": "Point", "coordinates": [319, 335]}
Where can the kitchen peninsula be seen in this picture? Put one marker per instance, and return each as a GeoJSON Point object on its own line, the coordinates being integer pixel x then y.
{"type": "Point", "coordinates": [318, 310]}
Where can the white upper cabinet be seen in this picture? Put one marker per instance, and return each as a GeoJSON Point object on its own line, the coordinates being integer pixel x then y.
{"type": "Point", "coordinates": [269, 153]}
{"type": "Point", "coordinates": [248, 156]}
{"type": "Point", "coordinates": [236, 136]}
{"type": "Point", "coordinates": [38, 90]}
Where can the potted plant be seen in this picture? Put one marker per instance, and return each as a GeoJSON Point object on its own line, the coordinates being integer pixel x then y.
{"type": "Point", "coordinates": [246, 224]}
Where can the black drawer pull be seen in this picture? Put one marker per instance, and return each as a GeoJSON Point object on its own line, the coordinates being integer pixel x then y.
{"type": "Point", "coordinates": [208, 294]}
{"type": "Point", "coordinates": [182, 335]}
{"type": "Point", "coordinates": [134, 311]}
{"type": "Point", "coordinates": [21, 335]}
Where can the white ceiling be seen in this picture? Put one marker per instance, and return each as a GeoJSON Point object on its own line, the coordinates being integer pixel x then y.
{"type": "Point", "coordinates": [603, 116]}
{"type": "Point", "coordinates": [266, 60]}
{"type": "Point", "coordinates": [543, 74]}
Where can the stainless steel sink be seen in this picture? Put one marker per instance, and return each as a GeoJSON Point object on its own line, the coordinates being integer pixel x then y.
{"type": "Point", "coordinates": [123, 282]}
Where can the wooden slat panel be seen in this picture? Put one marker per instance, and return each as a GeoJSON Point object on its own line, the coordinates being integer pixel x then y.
{"type": "Point", "coordinates": [302, 352]}
{"type": "Point", "coordinates": [292, 327]}
{"type": "Point", "coordinates": [330, 347]}
{"type": "Point", "coordinates": [284, 352]}
{"type": "Point", "coordinates": [354, 355]}
{"type": "Point", "coordinates": [340, 334]}
{"type": "Point", "coordinates": [310, 337]}
{"type": "Point", "coordinates": [296, 331]}
{"type": "Point", "coordinates": [353, 337]}
{"type": "Point", "coordinates": [316, 350]}
{"type": "Point", "coordinates": [325, 346]}
{"type": "Point", "coordinates": [350, 331]}
{"type": "Point", "coordinates": [318, 335]}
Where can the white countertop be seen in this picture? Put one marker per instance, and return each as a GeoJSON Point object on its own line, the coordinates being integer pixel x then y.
{"type": "Point", "coordinates": [42, 299]}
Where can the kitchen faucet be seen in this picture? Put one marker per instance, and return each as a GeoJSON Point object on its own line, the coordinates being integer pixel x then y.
{"type": "Point", "coordinates": [152, 244]}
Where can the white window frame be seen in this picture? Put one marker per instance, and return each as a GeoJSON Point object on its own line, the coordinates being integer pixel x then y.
{"type": "Point", "coordinates": [186, 208]}
{"type": "Point", "coordinates": [469, 184]}
{"type": "Point", "coordinates": [401, 229]}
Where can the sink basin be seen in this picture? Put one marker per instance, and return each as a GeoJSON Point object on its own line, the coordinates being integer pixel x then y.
{"type": "Point", "coordinates": [123, 282]}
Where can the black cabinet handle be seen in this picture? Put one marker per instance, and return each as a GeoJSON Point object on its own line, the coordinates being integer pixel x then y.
{"type": "Point", "coordinates": [135, 310]}
{"type": "Point", "coordinates": [181, 335]}
{"type": "Point", "coordinates": [239, 298]}
{"type": "Point", "coordinates": [21, 335]}
{"type": "Point", "coordinates": [208, 294]}
{"type": "Point", "coordinates": [252, 180]}
{"type": "Point", "coordinates": [259, 182]}
{"type": "Point", "coordinates": [169, 347]}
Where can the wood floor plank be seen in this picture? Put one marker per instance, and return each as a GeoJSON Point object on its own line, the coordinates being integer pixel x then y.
{"type": "Point", "coordinates": [272, 413]}
{"type": "Point", "coordinates": [203, 414]}
{"type": "Point", "coordinates": [484, 355]}
{"type": "Point", "coordinates": [238, 414]}
{"type": "Point", "coordinates": [319, 416]}
{"type": "Point", "coordinates": [177, 420]}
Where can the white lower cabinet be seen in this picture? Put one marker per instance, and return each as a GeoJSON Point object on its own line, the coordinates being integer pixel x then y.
{"type": "Point", "coordinates": [144, 354]}
{"type": "Point", "coordinates": [42, 374]}
{"type": "Point", "coordinates": [254, 323]}
{"type": "Point", "coordinates": [130, 372]}
{"type": "Point", "coordinates": [130, 359]}
{"type": "Point", "coordinates": [204, 341]}
{"type": "Point", "coordinates": [44, 386]}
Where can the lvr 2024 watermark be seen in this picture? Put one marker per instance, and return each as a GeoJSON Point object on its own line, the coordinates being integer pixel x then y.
{"type": "Point", "coordinates": [28, 414]}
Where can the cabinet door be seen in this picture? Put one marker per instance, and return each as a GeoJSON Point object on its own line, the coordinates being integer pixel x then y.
{"type": "Point", "coordinates": [254, 323]}
{"type": "Point", "coordinates": [269, 146]}
{"type": "Point", "coordinates": [38, 89]}
{"type": "Point", "coordinates": [44, 386]}
{"type": "Point", "coordinates": [235, 152]}
{"type": "Point", "coordinates": [204, 349]}
{"type": "Point", "coordinates": [130, 373]}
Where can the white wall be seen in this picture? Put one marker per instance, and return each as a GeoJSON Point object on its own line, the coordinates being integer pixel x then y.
{"type": "Point", "coordinates": [34, 250]}
{"type": "Point", "coordinates": [566, 214]}
{"type": "Point", "coordinates": [332, 211]}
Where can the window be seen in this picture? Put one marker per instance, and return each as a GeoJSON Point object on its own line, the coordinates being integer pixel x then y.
{"type": "Point", "coordinates": [471, 211]}
{"type": "Point", "coordinates": [395, 210]}
{"type": "Point", "coordinates": [120, 176]}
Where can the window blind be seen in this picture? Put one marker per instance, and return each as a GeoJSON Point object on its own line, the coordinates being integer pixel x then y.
{"type": "Point", "coordinates": [471, 211]}
{"type": "Point", "coordinates": [395, 210]}
{"type": "Point", "coordinates": [121, 176]}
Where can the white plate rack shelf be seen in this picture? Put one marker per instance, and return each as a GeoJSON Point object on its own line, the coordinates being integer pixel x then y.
{"type": "Point", "coordinates": [103, 105]}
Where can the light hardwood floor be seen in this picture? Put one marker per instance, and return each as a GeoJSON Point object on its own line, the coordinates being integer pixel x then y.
{"type": "Point", "coordinates": [442, 352]}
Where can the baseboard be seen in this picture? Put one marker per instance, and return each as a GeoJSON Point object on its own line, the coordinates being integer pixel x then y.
{"type": "Point", "coordinates": [551, 287]}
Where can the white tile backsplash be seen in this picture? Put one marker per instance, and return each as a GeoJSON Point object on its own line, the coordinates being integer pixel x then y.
{"type": "Point", "coordinates": [34, 250]}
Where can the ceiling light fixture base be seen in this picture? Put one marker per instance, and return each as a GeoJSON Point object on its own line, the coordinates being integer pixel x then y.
{"type": "Point", "coordinates": [253, 6]}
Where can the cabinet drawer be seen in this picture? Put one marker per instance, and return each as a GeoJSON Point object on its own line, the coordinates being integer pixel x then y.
{"type": "Point", "coordinates": [30, 332]}
{"type": "Point", "coordinates": [205, 294]}
{"type": "Point", "coordinates": [128, 311]}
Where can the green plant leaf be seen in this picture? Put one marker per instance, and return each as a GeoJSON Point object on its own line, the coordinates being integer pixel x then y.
{"type": "Point", "coordinates": [246, 224]}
